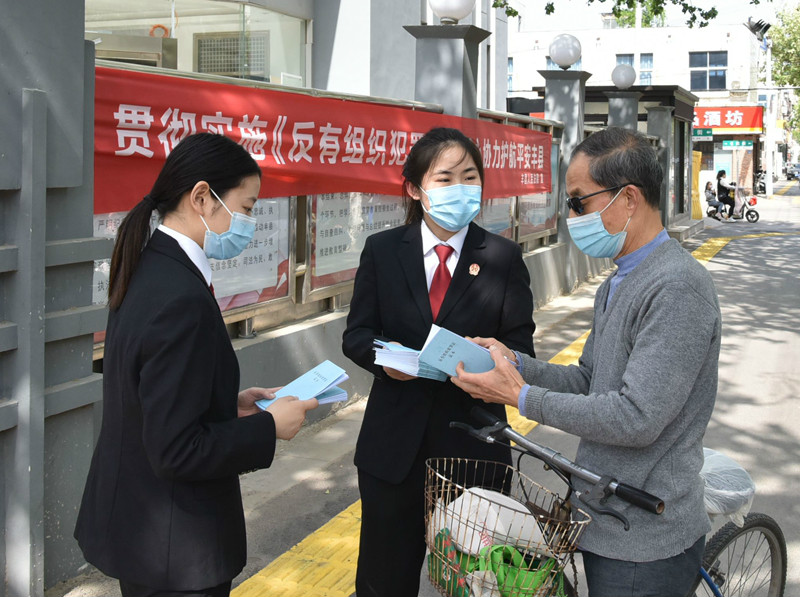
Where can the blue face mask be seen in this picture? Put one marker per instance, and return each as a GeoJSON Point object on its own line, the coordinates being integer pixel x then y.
{"type": "Point", "coordinates": [234, 240]}
{"type": "Point", "coordinates": [454, 207]}
{"type": "Point", "coordinates": [590, 234]}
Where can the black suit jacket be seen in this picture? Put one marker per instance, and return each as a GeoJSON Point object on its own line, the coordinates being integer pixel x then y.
{"type": "Point", "coordinates": [390, 302]}
{"type": "Point", "coordinates": [162, 505]}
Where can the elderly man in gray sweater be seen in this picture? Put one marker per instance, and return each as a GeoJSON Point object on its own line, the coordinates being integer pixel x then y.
{"type": "Point", "coordinates": [644, 389]}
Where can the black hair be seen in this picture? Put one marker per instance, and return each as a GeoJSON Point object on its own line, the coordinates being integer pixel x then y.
{"type": "Point", "coordinates": [721, 173]}
{"type": "Point", "coordinates": [424, 154]}
{"type": "Point", "coordinates": [216, 159]}
{"type": "Point", "coordinates": [619, 156]}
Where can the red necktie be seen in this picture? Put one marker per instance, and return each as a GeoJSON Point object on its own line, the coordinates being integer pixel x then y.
{"type": "Point", "coordinates": [211, 288]}
{"type": "Point", "coordinates": [441, 279]}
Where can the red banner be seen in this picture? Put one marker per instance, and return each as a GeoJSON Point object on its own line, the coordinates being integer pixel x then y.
{"type": "Point", "coordinates": [726, 120]}
{"type": "Point", "coordinates": [304, 144]}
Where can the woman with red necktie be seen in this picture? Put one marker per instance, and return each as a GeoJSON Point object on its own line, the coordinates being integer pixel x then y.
{"type": "Point", "coordinates": [440, 268]}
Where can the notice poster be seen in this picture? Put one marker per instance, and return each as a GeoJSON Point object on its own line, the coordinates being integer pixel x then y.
{"type": "Point", "coordinates": [537, 214]}
{"type": "Point", "coordinates": [341, 223]}
{"type": "Point", "coordinates": [259, 274]}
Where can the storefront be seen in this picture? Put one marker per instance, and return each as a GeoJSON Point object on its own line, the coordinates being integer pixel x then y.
{"type": "Point", "coordinates": [729, 138]}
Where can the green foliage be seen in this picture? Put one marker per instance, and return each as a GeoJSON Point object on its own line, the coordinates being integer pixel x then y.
{"type": "Point", "coordinates": [510, 10]}
{"type": "Point", "coordinates": [652, 14]}
{"type": "Point", "coordinates": [785, 37]}
{"type": "Point", "coordinates": [695, 16]}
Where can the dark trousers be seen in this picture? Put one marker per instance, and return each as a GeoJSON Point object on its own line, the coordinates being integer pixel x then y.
{"type": "Point", "coordinates": [392, 544]}
{"type": "Point", "coordinates": [671, 577]}
{"type": "Point", "coordinates": [133, 590]}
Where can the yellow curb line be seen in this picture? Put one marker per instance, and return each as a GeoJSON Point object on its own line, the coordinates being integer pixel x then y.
{"type": "Point", "coordinates": [324, 563]}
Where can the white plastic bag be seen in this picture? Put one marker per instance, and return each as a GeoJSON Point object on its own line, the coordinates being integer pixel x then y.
{"type": "Point", "coordinates": [482, 517]}
{"type": "Point", "coordinates": [729, 490]}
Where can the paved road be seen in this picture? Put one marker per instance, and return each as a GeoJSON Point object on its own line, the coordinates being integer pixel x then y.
{"type": "Point", "coordinates": [755, 421]}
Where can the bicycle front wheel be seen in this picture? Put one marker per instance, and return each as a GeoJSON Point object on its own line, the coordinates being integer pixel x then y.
{"type": "Point", "coordinates": [746, 562]}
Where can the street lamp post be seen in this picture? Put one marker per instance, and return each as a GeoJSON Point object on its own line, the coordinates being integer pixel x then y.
{"type": "Point", "coordinates": [447, 59]}
{"type": "Point", "coordinates": [759, 29]}
{"type": "Point", "coordinates": [623, 105]}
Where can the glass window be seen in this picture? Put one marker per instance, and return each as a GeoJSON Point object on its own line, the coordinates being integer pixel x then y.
{"type": "Point", "coordinates": [553, 66]}
{"type": "Point", "coordinates": [625, 59]}
{"type": "Point", "coordinates": [708, 70]}
{"type": "Point", "coordinates": [646, 69]}
{"type": "Point", "coordinates": [218, 37]}
{"type": "Point", "coordinates": [699, 80]}
{"type": "Point", "coordinates": [698, 59]}
{"type": "Point", "coordinates": [717, 59]}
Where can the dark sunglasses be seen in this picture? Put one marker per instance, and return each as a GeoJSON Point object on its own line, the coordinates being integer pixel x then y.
{"type": "Point", "coordinates": [575, 203]}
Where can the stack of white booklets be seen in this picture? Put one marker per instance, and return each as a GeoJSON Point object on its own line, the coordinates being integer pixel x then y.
{"type": "Point", "coordinates": [404, 359]}
{"type": "Point", "coordinates": [440, 354]}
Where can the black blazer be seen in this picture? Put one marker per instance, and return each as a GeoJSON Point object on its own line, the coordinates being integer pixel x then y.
{"type": "Point", "coordinates": [390, 302]}
{"type": "Point", "coordinates": [162, 505]}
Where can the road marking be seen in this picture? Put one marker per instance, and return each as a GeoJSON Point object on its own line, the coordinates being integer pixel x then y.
{"type": "Point", "coordinates": [324, 563]}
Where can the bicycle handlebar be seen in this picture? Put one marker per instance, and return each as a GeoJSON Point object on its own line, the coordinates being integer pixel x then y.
{"type": "Point", "coordinates": [494, 425]}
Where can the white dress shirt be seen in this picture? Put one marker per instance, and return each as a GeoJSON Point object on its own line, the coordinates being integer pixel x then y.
{"type": "Point", "coordinates": [193, 251]}
{"type": "Point", "coordinates": [431, 259]}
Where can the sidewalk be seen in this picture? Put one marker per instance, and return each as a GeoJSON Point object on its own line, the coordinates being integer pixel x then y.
{"type": "Point", "coordinates": [320, 456]}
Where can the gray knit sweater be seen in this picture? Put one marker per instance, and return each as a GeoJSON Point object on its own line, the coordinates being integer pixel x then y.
{"type": "Point", "coordinates": [640, 399]}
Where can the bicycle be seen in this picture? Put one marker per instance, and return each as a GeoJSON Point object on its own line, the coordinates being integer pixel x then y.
{"type": "Point", "coordinates": [745, 559]}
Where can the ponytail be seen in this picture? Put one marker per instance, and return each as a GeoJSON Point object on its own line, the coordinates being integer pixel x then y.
{"type": "Point", "coordinates": [132, 236]}
{"type": "Point", "coordinates": [216, 159]}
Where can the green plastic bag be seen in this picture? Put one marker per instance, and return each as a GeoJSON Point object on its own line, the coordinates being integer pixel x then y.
{"type": "Point", "coordinates": [448, 567]}
{"type": "Point", "coordinates": [514, 578]}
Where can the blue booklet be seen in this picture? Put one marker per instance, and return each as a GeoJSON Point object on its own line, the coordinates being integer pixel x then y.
{"type": "Point", "coordinates": [320, 383]}
{"type": "Point", "coordinates": [402, 358]}
{"type": "Point", "coordinates": [444, 349]}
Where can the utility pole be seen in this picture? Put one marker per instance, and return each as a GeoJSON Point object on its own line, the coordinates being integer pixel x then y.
{"type": "Point", "coordinates": [759, 29]}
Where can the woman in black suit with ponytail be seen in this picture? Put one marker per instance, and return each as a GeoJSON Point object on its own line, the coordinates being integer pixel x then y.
{"type": "Point", "coordinates": [162, 510]}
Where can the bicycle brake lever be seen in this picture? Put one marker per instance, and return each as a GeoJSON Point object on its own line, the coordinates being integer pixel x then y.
{"type": "Point", "coordinates": [485, 434]}
{"type": "Point", "coordinates": [596, 497]}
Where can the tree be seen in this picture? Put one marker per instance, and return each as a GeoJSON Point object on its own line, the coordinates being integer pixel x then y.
{"type": "Point", "coordinates": [694, 14]}
{"type": "Point", "coordinates": [652, 15]}
{"type": "Point", "coordinates": [785, 36]}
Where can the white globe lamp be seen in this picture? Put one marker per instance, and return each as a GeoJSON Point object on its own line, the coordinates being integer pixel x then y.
{"type": "Point", "coordinates": [451, 12]}
{"type": "Point", "coordinates": [565, 50]}
{"type": "Point", "coordinates": [623, 76]}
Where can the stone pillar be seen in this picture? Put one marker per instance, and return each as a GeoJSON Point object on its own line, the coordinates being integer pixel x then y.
{"type": "Point", "coordinates": [660, 124]}
{"type": "Point", "coordinates": [447, 66]}
{"type": "Point", "coordinates": [564, 99]}
{"type": "Point", "coordinates": [623, 109]}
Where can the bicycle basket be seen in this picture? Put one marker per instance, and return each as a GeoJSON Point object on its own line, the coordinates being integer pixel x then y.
{"type": "Point", "coordinates": [493, 532]}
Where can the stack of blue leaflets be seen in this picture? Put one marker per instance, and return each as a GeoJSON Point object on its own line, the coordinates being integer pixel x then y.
{"type": "Point", "coordinates": [443, 350]}
{"type": "Point", "coordinates": [320, 383]}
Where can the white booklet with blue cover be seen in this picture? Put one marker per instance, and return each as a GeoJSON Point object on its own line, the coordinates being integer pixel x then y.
{"type": "Point", "coordinates": [404, 359]}
{"type": "Point", "coordinates": [444, 349]}
{"type": "Point", "coordinates": [320, 382]}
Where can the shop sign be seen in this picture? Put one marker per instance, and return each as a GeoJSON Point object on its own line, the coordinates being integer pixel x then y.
{"type": "Point", "coordinates": [702, 134]}
{"type": "Point", "coordinates": [730, 120]}
{"type": "Point", "coordinates": [737, 144]}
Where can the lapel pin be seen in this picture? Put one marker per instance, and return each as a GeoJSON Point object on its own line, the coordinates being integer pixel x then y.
{"type": "Point", "coordinates": [474, 269]}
